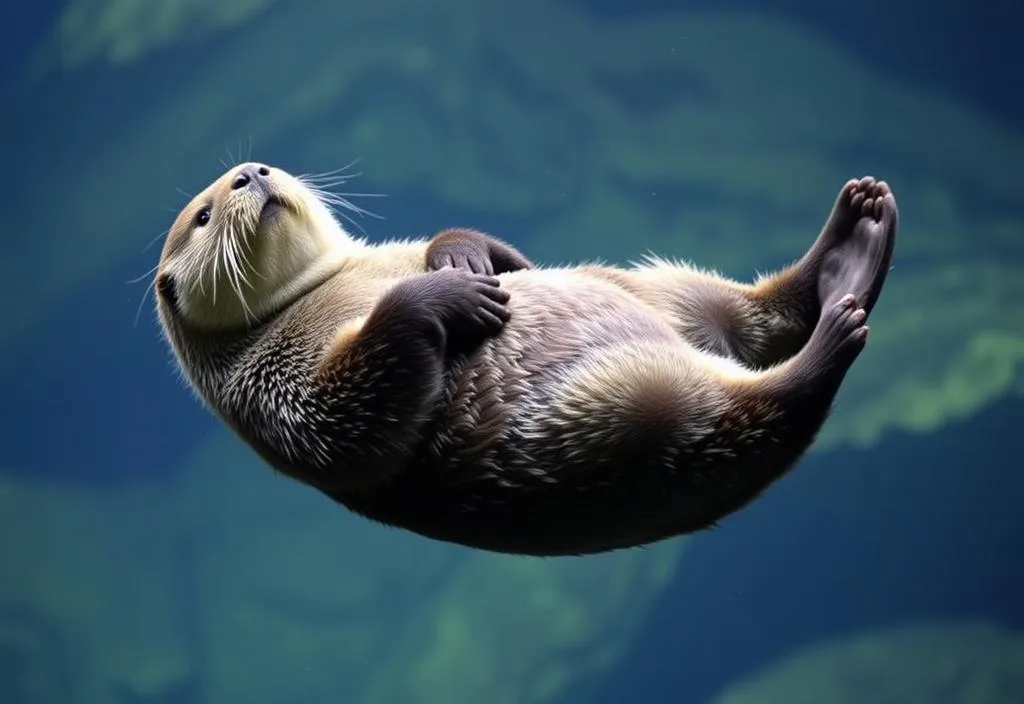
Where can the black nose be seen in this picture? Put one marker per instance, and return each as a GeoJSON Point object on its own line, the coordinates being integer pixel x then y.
{"type": "Point", "coordinates": [249, 174]}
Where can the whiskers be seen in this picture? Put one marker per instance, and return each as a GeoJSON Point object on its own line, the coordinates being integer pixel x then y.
{"type": "Point", "coordinates": [230, 260]}
{"type": "Point", "coordinates": [234, 250]}
{"type": "Point", "coordinates": [235, 160]}
{"type": "Point", "coordinates": [226, 253]}
{"type": "Point", "coordinates": [322, 185]}
{"type": "Point", "coordinates": [145, 294]}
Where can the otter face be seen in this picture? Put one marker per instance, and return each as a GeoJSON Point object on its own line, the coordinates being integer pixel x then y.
{"type": "Point", "coordinates": [253, 241]}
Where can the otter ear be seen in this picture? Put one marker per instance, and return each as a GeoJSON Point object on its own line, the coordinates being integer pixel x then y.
{"type": "Point", "coordinates": [166, 289]}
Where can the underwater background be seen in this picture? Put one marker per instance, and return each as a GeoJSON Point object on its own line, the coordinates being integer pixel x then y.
{"type": "Point", "coordinates": [147, 557]}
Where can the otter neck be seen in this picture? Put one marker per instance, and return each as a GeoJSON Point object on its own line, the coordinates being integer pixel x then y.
{"type": "Point", "coordinates": [207, 357]}
{"type": "Point", "coordinates": [312, 276]}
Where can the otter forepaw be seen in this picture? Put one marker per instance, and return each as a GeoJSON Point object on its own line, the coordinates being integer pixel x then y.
{"type": "Point", "coordinates": [470, 250]}
{"type": "Point", "coordinates": [468, 307]}
{"type": "Point", "coordinates": [460, 249]}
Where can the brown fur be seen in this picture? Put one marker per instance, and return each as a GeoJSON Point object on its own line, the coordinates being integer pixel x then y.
{"type": "Point", "coordinates": [614, 408]}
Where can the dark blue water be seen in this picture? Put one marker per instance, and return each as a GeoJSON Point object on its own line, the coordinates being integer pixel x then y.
{"type": "Point", "coordinates": [968, 50]}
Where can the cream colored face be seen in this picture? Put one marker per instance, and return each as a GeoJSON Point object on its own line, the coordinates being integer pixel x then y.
{"type": "Point", "coordinates": [251, 242]}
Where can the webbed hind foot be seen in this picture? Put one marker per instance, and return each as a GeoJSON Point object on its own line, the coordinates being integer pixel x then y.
{"type": "Point", "coordinates": [856, 245]}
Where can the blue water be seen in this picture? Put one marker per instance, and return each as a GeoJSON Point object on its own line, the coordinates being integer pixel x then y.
{"type": "Point", "coordinates": [919, 527]}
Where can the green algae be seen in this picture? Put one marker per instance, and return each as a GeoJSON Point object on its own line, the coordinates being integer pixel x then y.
{"type": "Point", "coordinates": [944, 343]}
{"type": "Point", "coordinates": [512, 629]}
{"type": "Point", "coordinates": [953, 663]}
{"type": "Point", "coordinates": [289, 585]}
{"type": "Point", "coordinates": [124, 31]}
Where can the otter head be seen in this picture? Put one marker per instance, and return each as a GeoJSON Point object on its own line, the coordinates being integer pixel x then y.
{"type": "Point", "coordinates": [253, 241]}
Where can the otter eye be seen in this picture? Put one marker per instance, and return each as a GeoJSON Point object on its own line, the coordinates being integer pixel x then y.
{"type": "Point", "coordinates": [203, 216]}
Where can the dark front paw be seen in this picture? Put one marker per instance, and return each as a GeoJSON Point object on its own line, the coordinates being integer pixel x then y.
{"type": "Point", "coordinates": [470, 250]}
{"type": "Point", "coordinates": [465, 307]}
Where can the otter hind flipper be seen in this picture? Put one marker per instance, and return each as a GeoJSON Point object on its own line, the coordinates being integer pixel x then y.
{"type": "Point", "coordinates": [856, 257]}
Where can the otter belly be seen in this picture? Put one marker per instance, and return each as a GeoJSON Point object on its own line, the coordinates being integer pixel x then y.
{"type": "Point", "coordinates": [560, 320]}
{"type": "Point", "coordinates": [482, 478]}
{"type": "Point", "coordinates": [559, 316]}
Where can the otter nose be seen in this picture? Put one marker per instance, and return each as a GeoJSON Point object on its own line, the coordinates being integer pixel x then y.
{"type": "Point", "coordinates": [249, 174]}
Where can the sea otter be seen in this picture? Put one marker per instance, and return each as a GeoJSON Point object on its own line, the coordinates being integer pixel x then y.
{"type": "Point", "coordinates": [451, 387]}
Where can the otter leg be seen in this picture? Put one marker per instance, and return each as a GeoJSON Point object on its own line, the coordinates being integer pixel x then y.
{"type": "Point", "coordinates": [382, 376]}
{"type": "Point", "coordinates": [851, 255]}
{"type": "Point", "coordinates": [772, 419]}
{"type": "Point", "coordinates": [768, 423]}
{"type": "Point", "coordinates": [767, 322]}
{"type": "Point", "coordinates": [669, 441]}
{"type": "Point", "coordinates": [474, 251]}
